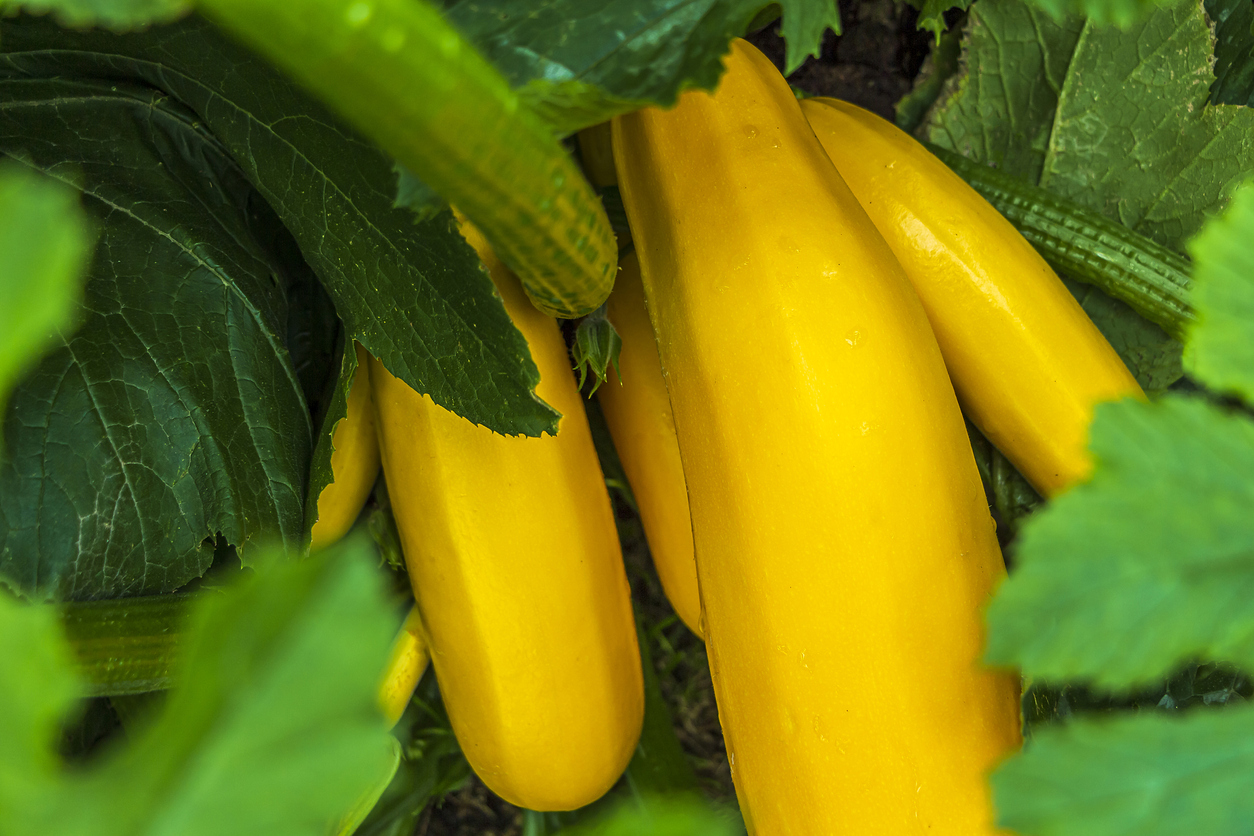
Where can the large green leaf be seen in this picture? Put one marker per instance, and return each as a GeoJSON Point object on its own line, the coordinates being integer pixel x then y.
{"type": "Point", "coordinates": [1150, 774]}
{"type": "Point", "coordinates": [174, 414]}
{"type": "Point", "coordinates": [45, 245]}
{"type": "Point", "coordinates": [579, 62]}
{"type": "Point", "coordinates": [1116, 120]}
{"type": "Point", "coordinates": [1149, 564]}
{"type": "Point", "coordinates": [413, 295]}
{"type": "Point", "coordinates": [1221, 343]}
{"type": "Point", "coordinates": [273, 728]}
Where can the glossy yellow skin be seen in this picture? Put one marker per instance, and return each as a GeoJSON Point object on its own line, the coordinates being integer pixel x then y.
{"type": "Point", "coordinates": [843, 543]}
{"type": "Point", "coordinates": [511, 547]}
{"type": "Point", "coordinates": [1027, 362]}
{"type": "Point", "coordinates": [406, 664]}
{"type": "Point", "coordinates": [638, 412]}
{"type": "Point", "coordinates": [354, 462]}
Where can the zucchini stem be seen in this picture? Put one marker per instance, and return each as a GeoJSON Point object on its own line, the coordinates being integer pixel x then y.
{"type": "Point", "coordinates": [1086, 245]}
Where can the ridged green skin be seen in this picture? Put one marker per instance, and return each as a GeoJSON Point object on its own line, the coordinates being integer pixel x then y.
{"type": "Point", "coordinates": [399, 73]}
{"type": "Point", "coordinates": [1087, 246]}
{"type": "Point", "coordinates": [128, 645]}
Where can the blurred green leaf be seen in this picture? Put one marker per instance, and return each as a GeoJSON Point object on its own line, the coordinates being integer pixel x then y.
{"type": "Point", "coordinates": [432, 765]}
{"type": "Point", "coordinates": [1147, 565]}
{"type": "Point", "coordinates": [1148, 774]}
{"type": "Point", "coordinates": [661, 815]}
{"type": "Point", "coordinates": [273, 728]}
{"type": "Point", "coordinates": [37, 688]}
{"type": "Point", "coordinates": [118, 15]}
{"type": "Point", "coordinates": [1221, 343]}
{"type": "Point", "coordinates": [45, 247]}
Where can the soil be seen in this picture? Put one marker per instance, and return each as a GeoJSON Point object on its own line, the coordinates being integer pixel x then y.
{"type": "Point", "coordinates": [872, 64]}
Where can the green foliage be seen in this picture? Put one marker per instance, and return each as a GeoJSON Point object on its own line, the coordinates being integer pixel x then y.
{"type": "Point", "coordinates": [597, 346]}
{"type": "Point", "coordinates": [118, 15]}
{"type": "Point", "coordinates": [432, 765]}
{"type": "Point", "coordinates": [273, 728]}
{"type": "Point", "coordinates": [1146, 774]}
{"type": "Point", "coordinates": [173, 414]}
{"type": "Point", "coordinates": [1234, 51]}
{"type": "Point", "coordinates": [932, 14]}
{"type": "Point", "coordinates": [37, 688]}
{"type": "Point", "coordinates": [580, 62]}
{"type": "Point", "coordinates": [1152, 554]}
{"type": "Point", "coordinates": [1221, 344]}
{"type": "Point", "coordinates": [939, 66]}
{"type": "Point", "coordinates": [1117, 121]}
{"type": "Point", "coordinates": [1121, 13]}
{"type": "Point", "coordinates": [660, 815]}
{"type": "Point", "coordinates": [1128, 576]}
{"type": "Point", "coordinates": [333, 191]}
{"type": "Point", "coordinates": [45, 247]}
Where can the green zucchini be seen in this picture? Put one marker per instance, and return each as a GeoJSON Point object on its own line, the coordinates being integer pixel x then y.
{"type": "Point", "coordinates": [128, 645]}
{"type": "Point", "coordinates": [1086, 245]}
{"type": "Point", "coordinates": [404, 77]}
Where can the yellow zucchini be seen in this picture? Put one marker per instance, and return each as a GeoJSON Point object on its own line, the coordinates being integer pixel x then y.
{"type": "Point", "coordinates": [354, 462]}
{"type": "Point", "coordinates": [1027, 362]}
{"type": "Point", "coordinates": [843, 544]}
{"type": "Point", "coordinates": [406, 664]}
{"type": "Point", "coordinates": [638, 412]}
{"type": "Point", "coordinates": [511, 547]}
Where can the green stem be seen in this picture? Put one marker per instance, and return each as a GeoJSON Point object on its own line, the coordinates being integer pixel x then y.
{"type": "Point", "coordinates": [128, 645]}
{"type": "Point", "coordinates": [1086, 245]}
{"type": "Point", "coordinates": [403, 76]}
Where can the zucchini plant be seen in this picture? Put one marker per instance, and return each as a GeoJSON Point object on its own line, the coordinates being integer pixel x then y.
{"type": "Point", "coordinates": [231, 270]}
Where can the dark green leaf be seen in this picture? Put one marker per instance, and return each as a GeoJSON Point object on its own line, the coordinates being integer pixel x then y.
{"type": "Point", "coordinates": [417, 196]}
{"type": "Point", "coordinates": [173, 414]}
{"type": "Point", "coordinates": [1134, 136]}
{"type": "Point", "coordinates": [1234, 51]}
{"type": "Point", "coordinates": [118, 15]}
{"type": "Point", "coordinates": [1221, 343]}
{"type": "Point", "coordinates": [1149, 564]}
{"type": "Point", "coordinates": [413, 295]}
{"type": "Point", "coordinates": [1117, 121]}
{"type": "Point", "coordinates": [579, 62]}
{"type": "Point", "coordinates": [1000, 107]}
{"type": "Point", "coordinates": [1149, 774]}
{"type": "Point", "coordinates": [45, 247]}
